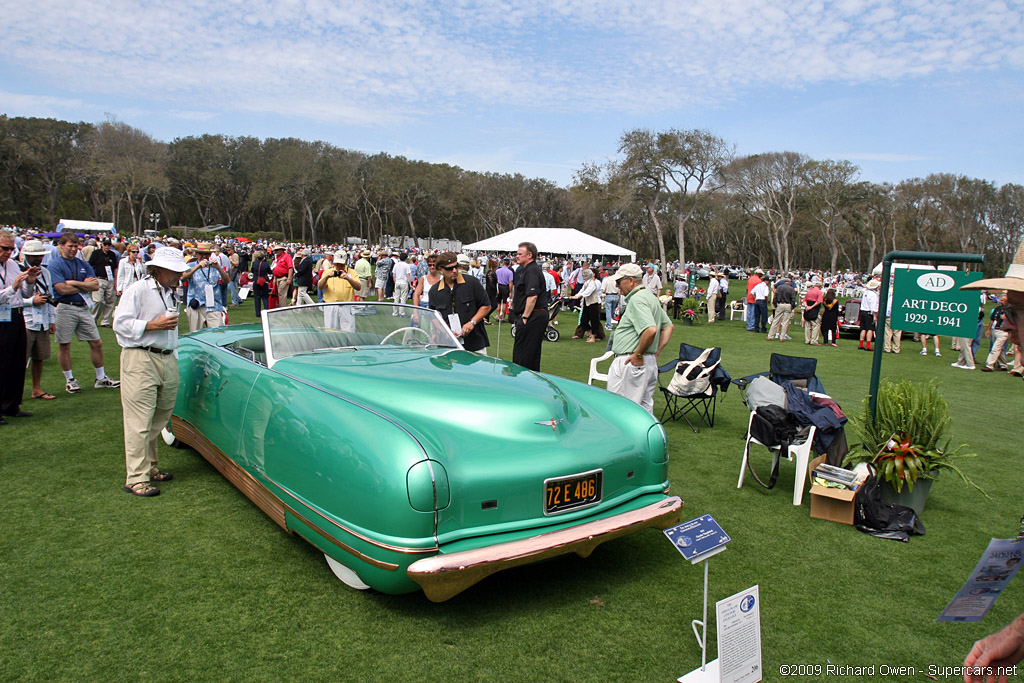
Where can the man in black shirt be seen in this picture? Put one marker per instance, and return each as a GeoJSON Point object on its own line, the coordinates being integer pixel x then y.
{"type": "Point", "coordinates": [463, 296]}
{"type": "Point", "coordinates": [785, 302]}
{"type": "Point", "coordinates": [303, 277]}
{"type": "Point", "coordinates": [529, 308]}
{"type": "Point", "coordinates": [104, 263]}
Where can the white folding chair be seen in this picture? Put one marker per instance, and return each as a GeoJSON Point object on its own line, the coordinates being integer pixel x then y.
{"type": "Point", "coordinates": [594, 373]}
{"type": "Point", "coordinates": [800, 451]}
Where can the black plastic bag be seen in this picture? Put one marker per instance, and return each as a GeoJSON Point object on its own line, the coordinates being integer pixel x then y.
{"type": "Point", "coordinates": [871, 516]}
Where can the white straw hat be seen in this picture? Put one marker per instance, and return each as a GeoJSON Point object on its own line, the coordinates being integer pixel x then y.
{"type": "Point", "coordinates": [169, 258]}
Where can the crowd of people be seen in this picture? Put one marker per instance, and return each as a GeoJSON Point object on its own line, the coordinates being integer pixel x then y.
{"type": "Point", "coordinates": [68, 287]}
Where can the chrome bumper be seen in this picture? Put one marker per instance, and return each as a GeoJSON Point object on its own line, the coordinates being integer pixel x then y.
{"type": "Point", "coordinates": [443, 576]}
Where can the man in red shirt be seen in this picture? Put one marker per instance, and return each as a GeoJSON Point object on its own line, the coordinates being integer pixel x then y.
{"type": "Point", "coordinates": [812, 314]}
{"type": "Point", "coordinates": [284, 272]}
{"type": "Point", "coordinates": [753, 281]}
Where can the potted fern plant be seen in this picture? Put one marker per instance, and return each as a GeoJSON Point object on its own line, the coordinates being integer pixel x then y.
{"type": "Point", "coordinates": [689, 310]}
{"type": "Point", "coordinates": [908, 441]}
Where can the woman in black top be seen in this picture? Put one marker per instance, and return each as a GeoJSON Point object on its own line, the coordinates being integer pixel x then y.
{"type": "Point", "coordinates": [830, 318]}
{"type": "Point", "coordinates": [261, 273]}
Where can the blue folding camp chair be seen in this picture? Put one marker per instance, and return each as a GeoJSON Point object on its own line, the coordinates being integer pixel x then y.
{"type": "Point", "coordinates": [783, 369]}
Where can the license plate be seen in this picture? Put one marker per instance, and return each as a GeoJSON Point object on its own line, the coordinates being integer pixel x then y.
{"type": "Point", "coordinates": [575, 491]}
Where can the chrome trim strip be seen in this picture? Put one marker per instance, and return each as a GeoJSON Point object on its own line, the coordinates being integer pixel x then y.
{"type": "Point", "coordinates": [445, 575]}
{"type": "Point", "coordinates": [349, 549]}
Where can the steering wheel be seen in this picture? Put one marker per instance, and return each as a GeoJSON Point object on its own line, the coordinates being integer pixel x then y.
{"type": "Point", "coordinates": [406, 330]}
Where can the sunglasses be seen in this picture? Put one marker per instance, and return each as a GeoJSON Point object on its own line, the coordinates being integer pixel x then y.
{"type": "Point", "coordinates": [449, 268]}
{"type": "Point", "coordinates": [4, 248]}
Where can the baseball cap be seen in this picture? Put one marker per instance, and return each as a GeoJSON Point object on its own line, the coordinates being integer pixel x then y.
{"type": "Point", "coordinates": [628, 270]}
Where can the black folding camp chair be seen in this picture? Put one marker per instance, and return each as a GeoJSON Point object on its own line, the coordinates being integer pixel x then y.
{"type": "Point", "coordinates": [700, 406]}
{"type": "Point", "coordinates": [782, 369]}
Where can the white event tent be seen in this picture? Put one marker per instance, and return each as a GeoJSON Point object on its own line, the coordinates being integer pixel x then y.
{"type": "Point", "coordinates": [85, 226]}
{"type": "Point", "coordinates": [552, 241]}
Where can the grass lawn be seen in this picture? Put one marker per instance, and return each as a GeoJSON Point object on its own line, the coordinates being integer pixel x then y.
{"type": "Point", "coordinates": [197, 584]}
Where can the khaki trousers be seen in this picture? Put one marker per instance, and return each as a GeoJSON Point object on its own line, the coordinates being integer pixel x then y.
{"type": "Point", "coordinates": [966, 355]}
{"type": "Point", "coordinates": [284, 289]}
{"type": "Point", "coordinates": [891, 341]}
{"type": "Point", "coordinates": [712, 303]}
{"type": "Point", "coordinates": [106, 299]}
{"type": "Point", "coordinates": [998, 345]}
{"type": "Point", "coordinates": [812, 330]}
{"type": "Point", "coordinates": [302, 297]}
{"type": "Point", "coordinates": [198, 318]}
{"type": "Point", "coordinates": [780, 321]}
{"type": "Point", "coordinates": [149, 387]}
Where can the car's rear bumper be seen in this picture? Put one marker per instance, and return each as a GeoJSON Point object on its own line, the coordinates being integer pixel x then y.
{"type": "Point", "coordinates": [445, 575]}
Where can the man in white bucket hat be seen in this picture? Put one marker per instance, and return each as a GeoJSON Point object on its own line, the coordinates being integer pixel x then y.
{"type": "Point", "coordinates": [146, 326]}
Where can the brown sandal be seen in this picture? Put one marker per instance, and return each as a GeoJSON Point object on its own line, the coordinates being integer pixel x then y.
{"type": "Point", "coordinates": [143, 489]}
{"type": "Point", "coordinates": [162, 476]}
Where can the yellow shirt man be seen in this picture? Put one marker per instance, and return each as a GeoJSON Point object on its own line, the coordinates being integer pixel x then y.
{"type": "Point", "coordinates": [339, 283]}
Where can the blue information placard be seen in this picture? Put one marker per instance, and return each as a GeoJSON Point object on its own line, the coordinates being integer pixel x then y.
{"type": "Point", "coordinates": [698, 537]}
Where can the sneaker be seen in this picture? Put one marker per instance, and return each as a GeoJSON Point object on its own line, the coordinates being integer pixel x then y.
{"type": "Point", "coordinates": [937, 354]}
{"type": "Point", "coordinates": [957, 365]}
{"type": "Point", "coordinates": [72, 386]}
{"type": "Point", "coordinates": [106, 383]}
{"type": "Point", "coordinates": [924, 352]}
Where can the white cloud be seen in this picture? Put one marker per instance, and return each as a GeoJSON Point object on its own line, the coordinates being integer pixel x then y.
{"type": "Point", "coordinates": [883, 157]}
{"type": "Point", "coordinates": [366, 62]}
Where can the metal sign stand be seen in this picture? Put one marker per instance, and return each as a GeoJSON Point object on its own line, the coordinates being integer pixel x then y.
{"type": "Point", "coordinates": [708, 671]}
{"type": "Point", "coordinates": [698, 540]}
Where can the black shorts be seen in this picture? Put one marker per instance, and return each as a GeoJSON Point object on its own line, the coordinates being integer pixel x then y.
{"type": "Point", "coordinates": [867, 321]}
{"type": "Point", "coordinates": [502, 293]}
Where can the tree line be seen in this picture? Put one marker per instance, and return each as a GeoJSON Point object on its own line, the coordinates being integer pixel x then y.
{"type": "Point", "coordinates": [668, 194]}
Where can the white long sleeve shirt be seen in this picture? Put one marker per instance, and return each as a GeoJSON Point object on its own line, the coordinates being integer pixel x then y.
{"type": "Point", "coordinates": [9, 296]}
{"type": "Point", "coordinates": [129, 273]}
{"type": "Point", "coordinates": [144, 301]}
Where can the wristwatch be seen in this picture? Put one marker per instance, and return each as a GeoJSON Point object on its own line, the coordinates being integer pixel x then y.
{"type": "Point", "coordinates": [473, 323]}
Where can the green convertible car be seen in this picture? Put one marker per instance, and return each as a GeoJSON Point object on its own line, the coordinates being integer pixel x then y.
{"type": "Point", "coordinates": [367, 429]}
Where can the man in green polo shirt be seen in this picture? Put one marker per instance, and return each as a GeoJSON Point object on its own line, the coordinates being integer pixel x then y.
{"type": "Point", "coordinates": [642, 332]}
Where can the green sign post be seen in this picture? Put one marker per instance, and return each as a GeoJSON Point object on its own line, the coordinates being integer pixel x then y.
{"type": "Point", "coordinates": [876, 361]}
{"type": "Point", "coordinates": [692, 283]}
{"type": "Point", "coordinates": [930, 302]}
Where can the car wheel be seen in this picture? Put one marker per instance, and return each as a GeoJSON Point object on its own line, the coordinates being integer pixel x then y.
{"type": "Point", "coordinates": [346, 575]}
{"type": "Point", "coordinates": [551, 334]}
{"type": "Point", "coordinates": [171, 440]}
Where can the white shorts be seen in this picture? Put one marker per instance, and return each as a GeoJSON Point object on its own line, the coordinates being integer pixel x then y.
{"type": "Point", "coordinates": [633, 382]}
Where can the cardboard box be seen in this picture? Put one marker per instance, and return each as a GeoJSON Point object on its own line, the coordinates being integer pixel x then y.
{"type": "Point", "coordinates": [835, 505]}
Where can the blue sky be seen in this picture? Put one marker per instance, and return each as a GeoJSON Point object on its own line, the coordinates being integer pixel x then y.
{"type": "Point", "coordinates": [538, 87]}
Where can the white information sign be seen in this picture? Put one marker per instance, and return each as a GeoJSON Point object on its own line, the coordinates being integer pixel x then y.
{"type": "Point", "coordinates": [739, 637]}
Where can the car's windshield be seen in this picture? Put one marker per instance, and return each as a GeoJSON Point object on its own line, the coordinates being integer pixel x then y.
{"type": "Point", "coordinates": [340, 326]}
